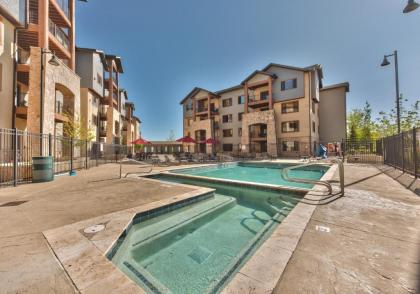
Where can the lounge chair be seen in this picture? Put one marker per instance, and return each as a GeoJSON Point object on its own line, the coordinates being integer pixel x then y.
{"type": "Point", "coordinates": [148, 168]}
{"type": "Point", "coordinates": [172, 160]}
{"type": "Point", "coordinates": [162, 159]}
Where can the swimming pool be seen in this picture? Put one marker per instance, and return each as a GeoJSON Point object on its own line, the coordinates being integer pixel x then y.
{"type": "Point", "coordinates": [257, 172]}
{"type": "Point", "coordinates": [197, 248]}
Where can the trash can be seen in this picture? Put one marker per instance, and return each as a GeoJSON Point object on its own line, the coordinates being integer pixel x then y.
{"type": "Point", "coordinates": [42, 169]}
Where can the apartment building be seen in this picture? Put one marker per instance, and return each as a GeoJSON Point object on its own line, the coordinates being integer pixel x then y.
{"type": "Point", "coordinates": [90, 66]}
{"type": "Point", "coordinates": [48, 89]}
{"type": "Point", "coordinates": [277, 110]}
{"type": "Point", "coordinates": [12, 18]}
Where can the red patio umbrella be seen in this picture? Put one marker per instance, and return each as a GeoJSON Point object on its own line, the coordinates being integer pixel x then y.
{"type": "Point", "coordinates": [140, 141]}
{"type": "Point", "coordinates": [211, 141]}
{"type": "Point", "coordinates": [186, 139]}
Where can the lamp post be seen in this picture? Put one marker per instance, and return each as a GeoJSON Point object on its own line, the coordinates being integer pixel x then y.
{"type": "Point", "coordinates": [53, 61]}
{"type": "Point", "coordinates": [411, 6]}
{"type": "Point", "coordinates": [385, 62]}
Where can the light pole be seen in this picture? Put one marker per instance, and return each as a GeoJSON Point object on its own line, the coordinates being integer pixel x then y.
{"type": "Point", "coordinates": [411, 6]}
{"type": "Point", "coordinates": [385, 62]}
{"type": "Point", "coordinates": [54, 62]}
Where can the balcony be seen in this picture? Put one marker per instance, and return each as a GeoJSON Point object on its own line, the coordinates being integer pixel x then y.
{"type": "Point", "coordinates": [22, 106]}
{"type": "Point", "coordinates": [258, 101]}
{"type": "Point", "coordinates": [59, 114]}
{"type": "Point", "coordinates": [102, 113]}
{"type": "Point", "coordinates": [59, 34]}
{"type": "Point", "coordinates": [102, 130]}
{"type": "Point", "coordinates": [64, 6]}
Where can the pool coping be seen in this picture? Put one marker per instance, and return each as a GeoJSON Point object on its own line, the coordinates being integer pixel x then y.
{"type": "Point", "coordinates": [272, 187]}
{"type": "Point", "coordinates": [84, 256]}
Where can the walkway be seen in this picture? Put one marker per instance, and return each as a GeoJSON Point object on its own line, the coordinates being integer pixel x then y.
{"type": "Point", "coordinates": [366, 242]}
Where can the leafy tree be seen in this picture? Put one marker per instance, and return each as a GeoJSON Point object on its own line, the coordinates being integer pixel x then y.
{"type": "Point", "coordinates": [74, 129]}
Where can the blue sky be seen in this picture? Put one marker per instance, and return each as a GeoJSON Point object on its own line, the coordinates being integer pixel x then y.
{"type": "Point", "coordinates": [168, 47]}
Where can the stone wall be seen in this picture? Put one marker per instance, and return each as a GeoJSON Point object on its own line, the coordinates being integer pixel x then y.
{"type": "Point", "coordinates": [55, 77]}
{"type": "Point", "coordinates": [260, 117]}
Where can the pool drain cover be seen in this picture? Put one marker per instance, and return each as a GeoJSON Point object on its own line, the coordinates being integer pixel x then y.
{"type": "Point", "coordinates": [94, 229]}
{"type": "Point", "coordinates": [200, 254]}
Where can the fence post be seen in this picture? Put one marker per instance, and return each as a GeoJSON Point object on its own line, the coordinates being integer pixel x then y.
{"type": "Point", "coordinates": [86, 155]}
{"type": "Point", "coordinates": [49, 144]}
{"type": "Point", "coordinates": [71, 155]}
{"type": "Point", "coordinates": [15, 156]}
{"type": "Point", "coordinates": [415, 152]}
{"type": "Point", "coordinates": [402, 153]}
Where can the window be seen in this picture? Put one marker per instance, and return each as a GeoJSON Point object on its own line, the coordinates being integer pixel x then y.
{"type": "Point", "coordinates": [289, 107]}
{"type": "Point", "coordinates": [241, 99]}
{"type": "Point", "coordinates": [290, 146]}
{"type": "Point", "coordinates": [264, 95]}
{"type": "Point", "coordinates": [290, 126]}
{"type": "Point", "coordinates": [313, 126]}
{"type": "Point", "coordinates": [227, 102]}
{"type": "Point", "coordinates": [240, 115]}
{"type": "Point", "coordinates": [240, 132]}
{"type": "Point", "coordinates": [99, 78]}
{"type": "Point", "coordinates": [227, 133]}
{"type": "Point", "coordinates": [227, 118]}
{"type": "Point", "coordinates": [188, 106]}
{"type": "Point", "coordinates": [228, 147]}
{"type": "Point", "coordinates": [289, 84]}
{"type": "Point", "coordinates": [1, 34]}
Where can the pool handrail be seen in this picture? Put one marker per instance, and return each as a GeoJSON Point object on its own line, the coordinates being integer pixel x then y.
{"type": "Point", "coordinates": [285, 175]}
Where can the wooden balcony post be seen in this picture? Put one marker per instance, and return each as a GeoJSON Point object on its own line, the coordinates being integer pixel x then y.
{"type": "Point", "coordinates": [270, 92]}
{"type": "Point", "coordinates": [208, 105]}
{"type": "Point", "coordinates": [43, 23]}
{"type": "Point", "coordinates": [246, 97]}
{"type": "Point", "coordinates": [72, 48]}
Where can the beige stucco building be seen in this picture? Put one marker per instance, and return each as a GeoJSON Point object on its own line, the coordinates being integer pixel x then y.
{"type": "Point", "coordinates": [276, 110]}
{"type": "Point", "coordinates": [10, 21]}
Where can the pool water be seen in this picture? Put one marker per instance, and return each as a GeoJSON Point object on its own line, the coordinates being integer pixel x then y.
{"type": "Point", "coordinates": [258, 173]}
{"type": "Point", "coordinates": [197, 248]}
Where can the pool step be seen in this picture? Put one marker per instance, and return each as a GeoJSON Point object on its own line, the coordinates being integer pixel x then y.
{"type": "Point", "coordinates": [168, 227]}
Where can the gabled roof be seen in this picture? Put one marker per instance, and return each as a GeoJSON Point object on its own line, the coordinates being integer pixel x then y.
{"type": "Point", "coordinates": [314, 67]}
{"type": "Point", "coordinates": [194, 91]}
{"type": "Point", "coordinates": [345, 85]}
{"type": "Point", "coordinates": [118, 62]}
{"type": "Point", "coordinates": [97, 51]}
{"type": "Point", "coordinates": [237, 87]}
{"type": "Point", "coordinates": [262, 72]}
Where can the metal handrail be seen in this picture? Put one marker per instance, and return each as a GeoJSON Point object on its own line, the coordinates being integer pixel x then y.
{"type": "Point", "coordinates": [286, 176]}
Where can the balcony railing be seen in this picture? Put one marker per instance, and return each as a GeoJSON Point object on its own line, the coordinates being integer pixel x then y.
{"type": "Point", "coordinates": [202, 109]}
{"type": "Point", "coordinates": [23, 56]}
{"type": "Point", "coordinates": [257, 135]}
{"type": "Point", "coordinates": [59, 34]}
{"type": "Point", "coordinates": [255, 98]}
{"type": "Point", "coordinates": [33, 16]}
{"type": "Point", "coordinates": [64, 5]}
{"type": "Point", "coordinates": [23, 99]}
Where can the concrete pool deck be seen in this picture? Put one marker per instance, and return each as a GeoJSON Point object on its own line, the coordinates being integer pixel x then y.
{"type": "Point", "coordinates": [372, 245]}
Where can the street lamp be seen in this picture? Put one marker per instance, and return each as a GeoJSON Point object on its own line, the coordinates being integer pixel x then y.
{"type": "Point", "coordinates": [386, 62]}
{"type": "Point", "coordinates": [411, 6]}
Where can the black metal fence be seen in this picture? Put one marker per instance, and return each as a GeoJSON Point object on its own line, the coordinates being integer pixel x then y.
{"type": "Point", "coordinates": [17, 148]}
{"type": "Point", "coordinates": [401, 151]}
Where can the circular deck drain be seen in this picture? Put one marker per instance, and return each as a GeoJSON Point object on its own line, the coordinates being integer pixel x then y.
{"type": "Point", "coordinates": [94, 229]}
